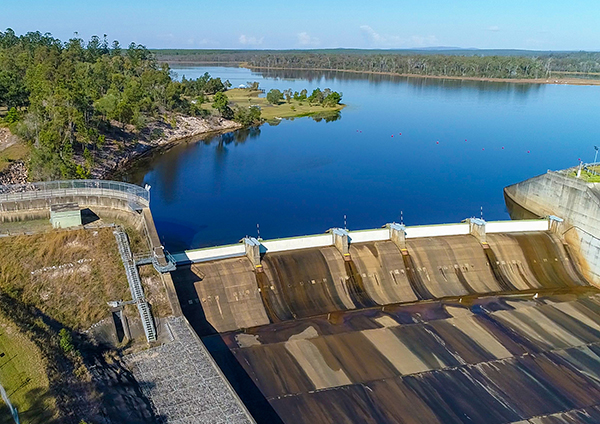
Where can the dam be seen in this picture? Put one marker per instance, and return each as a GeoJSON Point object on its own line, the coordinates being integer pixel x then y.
{"type": "Point", "coordinates": [471, 322]}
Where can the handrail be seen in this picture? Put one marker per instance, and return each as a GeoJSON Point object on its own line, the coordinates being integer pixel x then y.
{"type": "Point", "coordinates": [49, 189]}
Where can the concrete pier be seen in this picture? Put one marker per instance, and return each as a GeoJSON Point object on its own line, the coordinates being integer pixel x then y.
{"type": "Point", "coordinates": [341, 241]}
{"type": "Point", "coordinates": [398, 235]}
{"type": "Point", "coordinates": [477, 229]}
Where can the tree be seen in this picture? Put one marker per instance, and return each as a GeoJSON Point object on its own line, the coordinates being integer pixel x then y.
{"type": "Point", "coordinates": [316, 96]}
{"type": "Point", "coordinates": [12, 116]}
{"type": "Point", "coordinates": [221, 103]}
{"type": "Point", "coordinates": [274, 96]}
{"type": "Point", "coordinates": [332, 99]}
{"type": "Point", "coordinates": [288, 95]}
{"type": "Point", "coordinates": [247, 116]}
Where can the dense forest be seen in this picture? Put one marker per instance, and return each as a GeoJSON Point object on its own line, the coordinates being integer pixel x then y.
{"type": "Point", "coordinates": [65, 99]}
{"type": "Point", "coordinates": [462, 63]}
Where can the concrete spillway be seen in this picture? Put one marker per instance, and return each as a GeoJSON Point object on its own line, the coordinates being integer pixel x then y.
{"type": "Point", "coordinates": [309, 282]}
{"type": "Point", "coordinates": [447, 330]}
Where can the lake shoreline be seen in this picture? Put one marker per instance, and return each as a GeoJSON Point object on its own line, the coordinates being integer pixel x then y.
{"type": "Point", "coordinates": [555, 81]}
{"type": "Point", "coordinates": [187, 127]}
{"type": "Point", "coordinates": [115, 158]}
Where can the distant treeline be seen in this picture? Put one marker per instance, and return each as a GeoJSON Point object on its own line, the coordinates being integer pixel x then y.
{"type": "Point", "coordinates": [491, 64]}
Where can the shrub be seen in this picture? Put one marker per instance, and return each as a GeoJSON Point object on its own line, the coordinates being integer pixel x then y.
{"type": "Point", "coordinates": [66, 340]}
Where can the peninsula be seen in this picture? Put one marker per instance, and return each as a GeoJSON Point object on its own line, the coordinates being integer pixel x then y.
{"type": "Point", "coordinates": [87, 109]}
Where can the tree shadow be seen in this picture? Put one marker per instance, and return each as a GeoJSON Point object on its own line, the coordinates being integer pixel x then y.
{"type": "Point", "coordinates": [110, 395]}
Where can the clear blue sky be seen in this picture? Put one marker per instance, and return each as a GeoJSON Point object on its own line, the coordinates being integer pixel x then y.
{"type": "Point", "coordinates": [521, 24]}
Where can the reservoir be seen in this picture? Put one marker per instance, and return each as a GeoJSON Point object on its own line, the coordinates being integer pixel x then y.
{"type": "Point", "coordinates": [431, 150]}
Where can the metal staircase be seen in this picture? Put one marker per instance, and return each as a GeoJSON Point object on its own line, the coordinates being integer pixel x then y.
{"type": "Point", "coordinates": [162, 261]}
{"type": "Point", "coordinates": [135, 285]}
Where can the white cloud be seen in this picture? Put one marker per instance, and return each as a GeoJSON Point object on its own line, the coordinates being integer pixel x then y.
{"type": "Point", "coordinates": [420, 41]}
{"type": "Point", "coordinates": [494, 28]}
{"type": "Point", "coordinates": [166, 37]}
{"type": "Point", "coordinates": [374, 39]}
{"type": "Point", "coordinates": [250, 41]}
{"type": "Point", "coordinates": [304, 39]}
{"type": "Point", "coordinates": [372, 36]}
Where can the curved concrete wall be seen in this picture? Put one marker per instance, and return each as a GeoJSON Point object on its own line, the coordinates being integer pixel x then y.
{"type": "Point", "coordinates": [311, 282]}
{"type": "Point", "coordinates": [571, 199]}
{"type": "Point", "coordinates": [39, 196]}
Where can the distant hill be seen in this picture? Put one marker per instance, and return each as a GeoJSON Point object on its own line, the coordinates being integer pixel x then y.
{"type": "Point", "coordinates": [181, 54]}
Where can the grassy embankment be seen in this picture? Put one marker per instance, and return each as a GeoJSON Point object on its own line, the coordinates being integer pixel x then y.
{"type": "Point", "coordinates": [245, 97]}
{"type": "Point", "coordinates": [23, 375]}
{"type": "Point", "coordinates": [49, 281]}
{"type": "Point", "coordinates": [68, 275]}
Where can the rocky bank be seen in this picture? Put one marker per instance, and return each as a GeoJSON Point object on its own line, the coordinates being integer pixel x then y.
{"type": "Point", "coordinates": [123, 146]}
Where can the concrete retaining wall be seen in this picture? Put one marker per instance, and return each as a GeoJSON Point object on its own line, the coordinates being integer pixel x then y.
{"type": "Point", "coordinates": [365, 236]}
{"type": "Point", "coordinates": [571, 199]}
{"type": "Point", "coordinates": [211, 253]}
{"type": "Point", "coordinates": [86, 193]}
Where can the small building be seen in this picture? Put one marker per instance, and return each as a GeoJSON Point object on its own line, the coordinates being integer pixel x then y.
{"type": "Point", "coordinates": [65, 215]}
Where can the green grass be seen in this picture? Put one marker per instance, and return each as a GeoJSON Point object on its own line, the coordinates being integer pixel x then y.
{"type": "Point", "coordinates": [245, 98]}
{"type": "Point", "coordinates": [23, 375]}
{"type": "Point", "coordinates": [588, 177]}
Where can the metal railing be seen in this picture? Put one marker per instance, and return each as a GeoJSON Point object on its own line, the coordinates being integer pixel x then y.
{"type": "Point", "coordinates": [135, 284]}
{"type": "Point", "coordinates": [52, 189]}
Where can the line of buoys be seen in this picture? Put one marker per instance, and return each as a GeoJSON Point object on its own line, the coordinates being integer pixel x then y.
{"type": "Point", "coordinates": [437, 142]}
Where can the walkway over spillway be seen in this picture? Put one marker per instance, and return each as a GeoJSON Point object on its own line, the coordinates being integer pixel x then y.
{"type": "Point", "coordinates": [361, 236]}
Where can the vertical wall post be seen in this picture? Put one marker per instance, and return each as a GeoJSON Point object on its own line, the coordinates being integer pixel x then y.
{"type": "Point", "coordinates": [341, 241]}
{"type": "Point", "coordinates": [555, 225]}
{"type": "Point", "coordinates": [398, 235]}
{"type": "Point", "coordinates": [252, 246]}
{"type": "Point", "coordinates": [477, 229]}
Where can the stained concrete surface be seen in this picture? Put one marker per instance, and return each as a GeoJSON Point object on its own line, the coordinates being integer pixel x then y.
{"type": "Point", "coordinates": [451, 332]}
{"type": "Point", "coordinates": [309, 282]}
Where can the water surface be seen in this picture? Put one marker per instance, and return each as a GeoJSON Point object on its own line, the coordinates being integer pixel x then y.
{"type": "Point", "coordinates": [461, 142]}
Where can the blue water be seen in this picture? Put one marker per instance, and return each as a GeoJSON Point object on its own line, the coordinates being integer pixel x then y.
{"type": "Point", "coordinates": [302, 176]}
